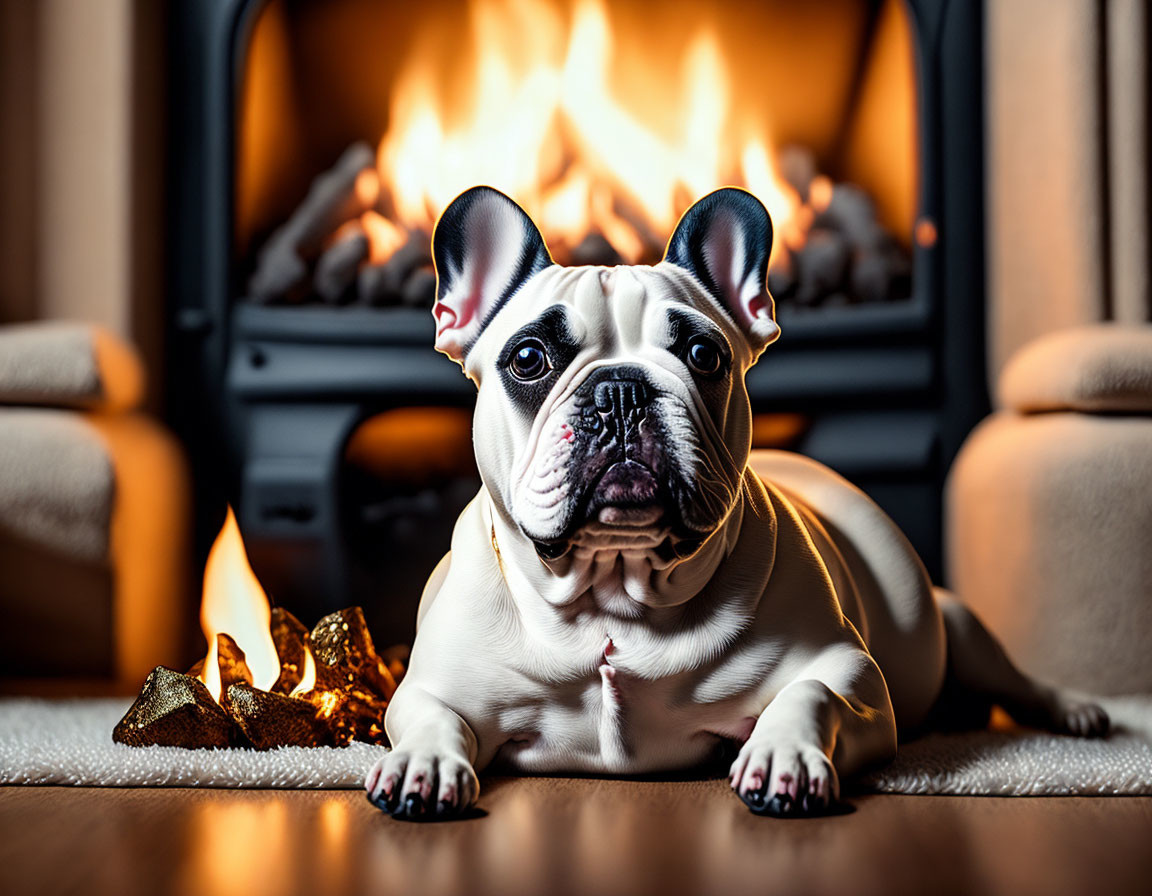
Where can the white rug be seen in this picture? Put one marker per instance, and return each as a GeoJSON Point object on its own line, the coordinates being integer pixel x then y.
{"type": "Point", "coordinates": [70, 742]}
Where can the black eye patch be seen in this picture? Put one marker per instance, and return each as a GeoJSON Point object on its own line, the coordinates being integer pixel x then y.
{"type": "Point", "coordinates": [551, 332]}
{"type": "Point", "coordinates": [689, 335]}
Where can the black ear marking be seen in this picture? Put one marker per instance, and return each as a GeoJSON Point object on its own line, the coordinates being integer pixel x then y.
{"type": "Point", "coordinates": [724, 240]}
{"type": "Point", "coordinates": [484, 248]}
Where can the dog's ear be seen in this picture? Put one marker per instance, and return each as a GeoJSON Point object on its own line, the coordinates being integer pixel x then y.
{"type": "Point", "coordinates": [484, 248]}
{"type": "Point", "coordinates": [724, 240]}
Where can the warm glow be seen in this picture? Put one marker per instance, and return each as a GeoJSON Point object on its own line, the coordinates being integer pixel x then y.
{"type": "Point", "coordinates": [235, 604]}
{"type": "Point", "coordinates": [384, 237]}
{"type": "Point", "coordinates": [925, 233]}
{"type": "Point", "coordinates": [539, 119]}
{"type": "Point", "coordinates": [308, 678]}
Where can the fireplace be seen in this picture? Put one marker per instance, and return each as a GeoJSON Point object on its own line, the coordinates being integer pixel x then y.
{"type": "Point", "coordinates": [318, 406]}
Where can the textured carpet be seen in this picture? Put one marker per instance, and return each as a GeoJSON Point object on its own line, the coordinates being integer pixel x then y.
{"type": "Point", "coordinates": [70, 742]}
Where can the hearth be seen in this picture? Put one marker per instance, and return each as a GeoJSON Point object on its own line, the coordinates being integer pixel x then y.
{"type": "Point", "coordinates": [315, 143]}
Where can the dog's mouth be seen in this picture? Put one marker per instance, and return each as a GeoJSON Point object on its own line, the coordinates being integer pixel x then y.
{"type": "Point", "coordinates": [628, 503]}
{"type": "Point", "coordinates": [627, 494]}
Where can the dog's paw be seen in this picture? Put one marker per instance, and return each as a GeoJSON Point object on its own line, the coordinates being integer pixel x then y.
{"type": "Point", "coordinates": [784, 778]}
{"type": "Point", "coordinates": [1080, 718]}
{"type": "Point", "coordinates": [422, 785]}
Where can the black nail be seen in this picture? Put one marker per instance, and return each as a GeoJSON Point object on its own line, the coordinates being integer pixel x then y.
{"type": "Point", "coordinates": [443, 807]}
{"type": "Point", "coordinates": [755, 799]}
{"type": "Point", "coordinates": [781, 804]}
{"type": "Point", "coordinates": [412, 807]}
{"type": "Point", "coordinates": [380, 801]}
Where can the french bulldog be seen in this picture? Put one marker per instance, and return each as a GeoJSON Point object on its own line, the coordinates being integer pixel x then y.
{"type": "Point", "coordinates": [626, 593]}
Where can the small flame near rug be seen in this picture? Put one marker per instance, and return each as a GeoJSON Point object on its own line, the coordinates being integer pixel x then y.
{"type": "Point", "coordinates": [266, 681]}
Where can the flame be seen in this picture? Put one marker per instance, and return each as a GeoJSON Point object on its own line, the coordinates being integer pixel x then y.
{"type": "Point", "coordinates": [234, 603]}
{"type": "Point", "coordinates": [308, 679]}
{"type": "Point", "coordinates": [535, 115]}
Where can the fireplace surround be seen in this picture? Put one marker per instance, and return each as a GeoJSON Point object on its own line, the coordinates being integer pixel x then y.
{"type": "Point", "coordinates": [342, 437]}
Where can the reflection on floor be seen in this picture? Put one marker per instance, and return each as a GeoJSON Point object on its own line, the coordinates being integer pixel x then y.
{"type": "Point", "coordinates": [558, 836]}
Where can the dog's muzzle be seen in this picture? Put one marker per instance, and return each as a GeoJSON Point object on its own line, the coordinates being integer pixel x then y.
{"type": "Point", "coordinates": [621, 466]}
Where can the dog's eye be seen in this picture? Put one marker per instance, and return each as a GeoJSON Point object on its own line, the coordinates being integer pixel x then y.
{"type": "Point", "coordinates": [529, 360]}
{"type": "Point", "coordinates": [704, 356]}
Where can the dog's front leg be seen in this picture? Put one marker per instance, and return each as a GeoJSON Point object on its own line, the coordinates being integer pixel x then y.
{"type": "Point", "coordinates": [832, 720]}
{"type": "Point", "coordinates": [428, 772]}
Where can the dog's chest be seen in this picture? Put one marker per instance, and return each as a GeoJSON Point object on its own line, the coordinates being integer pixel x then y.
{"type": "Point", "coordinates": [624, 716]}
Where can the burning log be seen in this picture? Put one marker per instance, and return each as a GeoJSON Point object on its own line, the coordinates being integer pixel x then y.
{"type": "Point", "coordinates": [273, 720]}
{"type": "Point", "coordinates": [595, 249]}
{"type": "Point", "coordinates": [350, 188]}
{"type": "Point", "coordinates": [386, 283]}
{"type": "Point", "coordinates": [782, 278]}
{"type": "Point", "coordinates": [652, 246]}
{"type": "Point", "coordinates": [349, 241]}
{"type": "Point", "coordinates": [420, 289]}
{"type": "Point", "coordinates": [821, 265]}
{"type": "Point", "coordinates": [852, 213]}
{"type": "Point", "coordinates": [176, 710]}
{"type": "Point", "coordinates": [336, 269]}
{"type": "Point", "coordinates": [798, 168]}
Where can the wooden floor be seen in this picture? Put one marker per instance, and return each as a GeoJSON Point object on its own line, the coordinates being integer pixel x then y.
{"type": "Point", "coordinates": [560, 836]}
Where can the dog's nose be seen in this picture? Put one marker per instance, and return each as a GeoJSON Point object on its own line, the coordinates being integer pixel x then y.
{"type": "Point", "coordinates": [624, 396]}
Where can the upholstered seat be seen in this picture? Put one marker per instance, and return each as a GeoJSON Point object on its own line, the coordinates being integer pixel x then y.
{"type": "Point", "coordinates": [93, 512]}
{"type": "Point", "coordinates": [1049, 510]}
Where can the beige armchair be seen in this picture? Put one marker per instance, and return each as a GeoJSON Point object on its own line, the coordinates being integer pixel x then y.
{"type": "Point", "coordinates": [1049, 510]}
{"type": "Point", "coordinates": [94, 514]}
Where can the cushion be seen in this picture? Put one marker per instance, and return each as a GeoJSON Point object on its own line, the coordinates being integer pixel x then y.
{"type": "Point", "coordinates": [65, 364]}
{"type": "Point", "coordinates": [57, 483]}
{"type": "Point", "coordinates": [1100, 368]}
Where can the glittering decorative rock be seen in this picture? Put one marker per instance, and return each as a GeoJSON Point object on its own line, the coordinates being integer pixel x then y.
{"type": "Point", "coordinates": [273, 720]}
{"type": "Point", "coordinates": [289, 635]}
{"type": "Point", "coordinates": [350, 714]}
{"type": "Point", "coordinates": [347, 702]}
{"type": "Point", "coordinates": [176, 710]}
{"type": "Point", "coordinates": [353, 683]}
{"type": "Point", "coordinates": [344, 652]}
{"type": "Point", "coordinates": [233, 666]}
{"type": "Point", "coordinates": [396, 660]}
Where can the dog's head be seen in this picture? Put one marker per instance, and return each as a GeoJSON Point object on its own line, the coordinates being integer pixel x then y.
{"type": "Point", "coordinates": [612, 412]}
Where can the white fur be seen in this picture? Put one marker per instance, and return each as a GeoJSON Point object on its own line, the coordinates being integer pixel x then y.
{"type": "Point", "coordinates": [772, 632]}
{"type": "Point", "coordinates": [612, 660]}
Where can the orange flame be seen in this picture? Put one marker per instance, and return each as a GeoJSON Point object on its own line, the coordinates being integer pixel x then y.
{"type": "Point", "coordinates": [308, 679]}
{"type": "Point", "coordinates": [541, 121]}
{"type": "Point", "coordinates": [234, 603]}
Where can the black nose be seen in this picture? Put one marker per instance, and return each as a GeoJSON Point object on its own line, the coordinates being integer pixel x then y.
{"type": "Point", "coordinates": [624, 396]}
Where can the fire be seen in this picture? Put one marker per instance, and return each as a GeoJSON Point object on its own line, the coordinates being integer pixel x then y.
{"type": "Point", "coordinates": [308, 678]}
{"type": "Point", "coordinates": [234, 603]}
{"type": "Point", "coordinates": [536, 115]}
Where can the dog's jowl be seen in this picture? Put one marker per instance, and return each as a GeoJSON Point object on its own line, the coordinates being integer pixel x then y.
{"type": "Point", "coordinates": [626, 593]}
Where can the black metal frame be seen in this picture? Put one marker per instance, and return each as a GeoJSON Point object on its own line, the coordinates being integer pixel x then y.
{"type": "Point", "coordinates": [264, 398]}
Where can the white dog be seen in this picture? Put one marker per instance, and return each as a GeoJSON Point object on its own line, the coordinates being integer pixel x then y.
{"type": "Point", "coordinates": [625, 594]}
